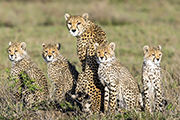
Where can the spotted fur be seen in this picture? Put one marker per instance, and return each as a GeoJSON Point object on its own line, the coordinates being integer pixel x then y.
{"type": "Point", "coordinates": [154, 99]}
{"type": "Point", "coordinates": [61, 72]}
{"type": "Point", "coordinates": [87, 33]}
{"type": "Point", "coordinates": [121, 89]}
{"type": "Point", "coordinates": [22, 63]}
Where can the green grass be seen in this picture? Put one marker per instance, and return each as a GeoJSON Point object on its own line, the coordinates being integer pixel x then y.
{"type": "Point", "coordinates": [130, 24]}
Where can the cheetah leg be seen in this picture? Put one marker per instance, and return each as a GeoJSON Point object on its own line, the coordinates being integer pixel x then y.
{"type": "Point", "coordinates": [93, 90]}
{"type": "Point", "coordinates": [147, 100]}
{"type": "Point", "coordinates": [160, 101]}
{"type": "Point", "coordinates": [112, 97]}
{"type": "Point", "coordinates": [95, 97]}
{"type": "Point", "coordinates": [132, 97]}
{"type": "Point", "coordinates": [148, 90]}
{"type": "Point", "coordinates": [127, 97]}
{"type": "Point", "coordinates": [106, 98]}
{"type": "Point", "coordinates": [80, 88]}
{"type": "Point", "coordinates": [98, 98]}
{"type": "Point", "coordinates": [99, 92]}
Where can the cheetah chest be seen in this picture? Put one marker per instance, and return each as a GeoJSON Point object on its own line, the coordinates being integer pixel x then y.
{"type": "Point", "coordinates": [105, 73]}
{"type": "Point", "coordinates": [151, 76]}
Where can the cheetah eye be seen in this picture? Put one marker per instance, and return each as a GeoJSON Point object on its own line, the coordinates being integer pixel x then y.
{"type": "Point", "coordinates": [9, 50]}
{"type": "Point", "coordinates": [105, 52]}
{"type": "Point", "coordinates": [16, 50]}
{"type": "Point", "coordinates": [159, 54]}
{"type": "Point", "coordinates": [53, 51]}
{"type": "Point", "coordinates": [98, 52]}
{"type": "Point", "coordinates": [46, 51]}
{"type": "Point", "coordinates": [78, 23]}
{"type": "Point", "coordinates": [70, 23]}
{"type": "Point", "coordinates": [153, 54]}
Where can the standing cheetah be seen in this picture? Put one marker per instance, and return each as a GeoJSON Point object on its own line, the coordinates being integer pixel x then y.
{"type": "Point", "coordinates": [61, 72]}
{"type": "Point", "coordinates": [154, 99]}
{"type": "Point", "coordinates": [121, 89]}
{"type": "Point", "coordinates": [22, 63]}
{"type": "Point", "coordinates": [87, 33]}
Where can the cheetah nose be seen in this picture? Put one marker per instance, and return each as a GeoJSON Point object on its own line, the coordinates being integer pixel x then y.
{"type": "Point", "coordinates": [73, 30]}
{"type": "Point", "coordinates": [101, 58]}
{"type": "Point", "coordinates": [49, 56]}
{"type": "Point", "coordinates": [11, 55]}
{"type": "Point", "coordinates": [158, 59]}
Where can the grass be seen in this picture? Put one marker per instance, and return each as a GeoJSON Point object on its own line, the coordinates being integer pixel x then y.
{"type": "Point", "coordinates": [130, 24]}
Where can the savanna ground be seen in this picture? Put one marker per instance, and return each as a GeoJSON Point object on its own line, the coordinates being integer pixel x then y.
{"type": "Point", "coordinates": [131, 24]}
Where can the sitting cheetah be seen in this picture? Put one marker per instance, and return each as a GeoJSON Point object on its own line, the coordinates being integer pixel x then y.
{"type": "Point", "coordinates": [121, 89]}
{"type": "Point", "coordinates": [153, 97]}
{"type": "Point", "coordinates": [87, 33]}
{"type": "Point", "coordinates": [60, 71]}
{"type": "Point", "coordinates": [22, 63]}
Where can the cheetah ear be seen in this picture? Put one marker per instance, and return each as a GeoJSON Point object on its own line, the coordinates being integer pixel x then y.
{"type": "Point", "coordinates": [85, 16]}
{"type": "Point", "coordinates": [159, 47]}
{"type": "Point", "coordinates": [23, 45]}
{"type": "Point", "coordinates": [43, 45]}
{"type": "Point", "coordinates": [58, 45]}
{"type": "Point", "coordinates": [67, 16]}
{"type": "Point", "coordinates": [96, 45]}
{"type": "Point", "coordinates": [146, 49]}
{"type": "Point", "coordinates": [10, 43]}
{"type": "Point", "coordinates": [112, 45]}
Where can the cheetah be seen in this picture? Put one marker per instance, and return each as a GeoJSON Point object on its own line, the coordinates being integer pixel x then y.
{"type": "Point", "coordinates": [87, 33]}
{"type": "Point", "coordinates": [61, 72]}
{"type": "Point", "coordinates": [153, 97]}
{"type": "Point", "coordinates": [22, 63]}
{"type": "Point", "coordinates": [121, 89]}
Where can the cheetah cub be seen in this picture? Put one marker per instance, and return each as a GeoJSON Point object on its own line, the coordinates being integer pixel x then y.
{"type": "Point", "coordinates": [153, 97]}
{"type": "Point", "coordinates": [22, 63]}
{"type": "Point", "coordinates": [61, 72]}
{"type": "Point", "coordinates": [121, 89]}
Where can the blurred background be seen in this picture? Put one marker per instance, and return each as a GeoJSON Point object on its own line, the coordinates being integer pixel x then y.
{"type": "Point", "coordinates": [131, 24]}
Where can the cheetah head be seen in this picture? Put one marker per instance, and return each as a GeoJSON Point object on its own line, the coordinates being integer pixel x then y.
{"type": "Point", "coordinates": [152, 55]}
{"type": "Point", "coordinates": [50, 52]}
{"type": "Point", "coordinates": [104, 52]}
{"type": "Point", "coordinates": [16, 51]}
{"type": "Point", "coordinates": [76, 24]}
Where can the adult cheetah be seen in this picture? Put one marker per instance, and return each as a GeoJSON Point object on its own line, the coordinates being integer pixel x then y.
{"type": "Point", "coordinates": [87, 33]}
